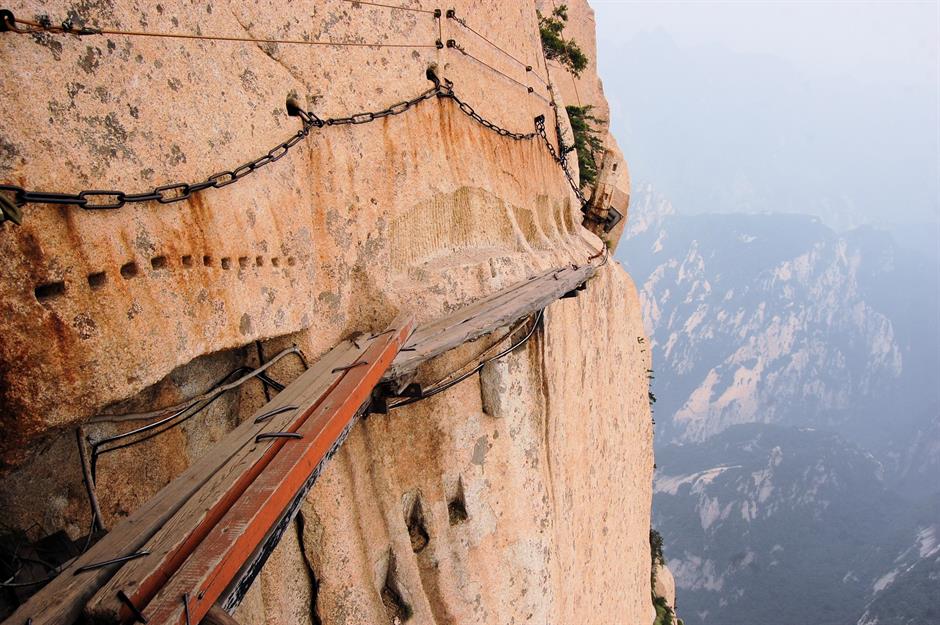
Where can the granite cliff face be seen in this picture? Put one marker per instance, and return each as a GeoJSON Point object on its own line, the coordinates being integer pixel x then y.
{"type": "Point", "coordinates": [549, 452]}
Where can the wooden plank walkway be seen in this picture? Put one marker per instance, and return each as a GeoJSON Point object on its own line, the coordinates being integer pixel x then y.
{"type": "Point", "coordinates": [207, 534]}
{"type": "Point", "coordinates": [61, 601]}
{"type": "Point", "coordinates": [218, 559]}
{"type": "Point", "coordinates": [486, 315]}
{"type": "Point", "coordinates": [140, 579]}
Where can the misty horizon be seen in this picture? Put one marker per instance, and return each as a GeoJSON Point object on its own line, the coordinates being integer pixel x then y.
{"type": "Point", "coordinates": [730, 107]}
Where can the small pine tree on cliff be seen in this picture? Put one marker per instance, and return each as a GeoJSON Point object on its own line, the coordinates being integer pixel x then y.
{"type": "Point", "coordinates": [587, 141]}
{"type": "Point", "coordinates": [656, 548]}
{"type": "Point", "coordinates": [565, 51]}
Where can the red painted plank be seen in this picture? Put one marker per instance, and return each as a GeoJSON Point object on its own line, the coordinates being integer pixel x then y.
{"type": "Point", "coordinates": [170, 545]}
{"type": "Point", "coordinates": [220, 556]}
{"type": "Point", "coordinates": [60, 602]}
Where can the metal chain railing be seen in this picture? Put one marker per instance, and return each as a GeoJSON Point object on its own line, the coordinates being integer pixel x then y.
{"type": "Point", "coordinates": [559, 157]}
{"type": "Point", "coordinates": [12, 197]}
{"type": "Point", "coordinates": [97, 199]}
{"type": "Point", "coordinates": [447, 91]}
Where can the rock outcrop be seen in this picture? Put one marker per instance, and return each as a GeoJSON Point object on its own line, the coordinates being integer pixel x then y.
{"type": "Point", "coordinates": [520, 496]}
{"type": "Point", "coordinates": [664, 585]}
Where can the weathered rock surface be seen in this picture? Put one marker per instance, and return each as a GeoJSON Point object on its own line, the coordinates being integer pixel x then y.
{"type": "Point", "coordinates": [665, 585]}
{"type": "Point", "coordinates": [536, 512]}
{"type": "Point", "coordinates": [553, 488]}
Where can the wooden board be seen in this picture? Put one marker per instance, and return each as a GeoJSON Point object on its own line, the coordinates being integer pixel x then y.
{"type": "Point", "coordinates": [233, 595]}
{"type": "Point", "coordinates": [464, 312]}
{"type": "Point", "coordinates": [486, 315]}
{"type": "Point", "coordinates": [60, 602]}
{"type": "Point", "coordinates": [218, 559]}
{"type": "Point", "coordinates": [169, 546]}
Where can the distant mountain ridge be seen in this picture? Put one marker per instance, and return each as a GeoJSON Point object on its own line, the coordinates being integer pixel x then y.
{"type": "Point", "coordinates": [797, 415]}
{"type": "Point", "coordinates": [793, 525]}
{"type": "Point", "coordinates": [775, 318]}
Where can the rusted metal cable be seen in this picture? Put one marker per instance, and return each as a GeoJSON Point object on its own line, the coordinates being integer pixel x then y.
{"type": "Point", "coordinates": [451, 14]}
{"type": "Point", "coordinates": [451, 43]}
{"type": "Point", "coordinates": [258, 348]}
{"type": "Point", "coordinates": [166, 425]}
{"type": "Point", "coordinates": [9, 583]}
{"type": "Point", "coordinates": [151, 430]}
{"type": "Point", "coordinates": [176, 415]}
{"type": "Point", "coordinates": [393, 6]}
{"type": "Point", "coordinates": [443, 387]}
{"type": "Point", "coordinates": [10, 23]}
{"type": "Point", "coordinates": [97, 519]}
{"type": "Point", "coordinates": [475, 360]}
{"type": "Point", "coordinates": [141, 416]}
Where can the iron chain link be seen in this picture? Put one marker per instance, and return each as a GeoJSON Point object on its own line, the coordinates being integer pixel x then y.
{"type": "Point", "coordinates": [98, 199]}
{"type": "Point", "coordinates": [12, 197]}
{"type": "Point", "coordinates": [447, 92]}
{"type": "Point", "coordinates": [560, 158]}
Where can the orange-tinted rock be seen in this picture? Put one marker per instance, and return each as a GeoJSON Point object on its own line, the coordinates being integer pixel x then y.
{"type": "Point", "coordinates": [538, 514]}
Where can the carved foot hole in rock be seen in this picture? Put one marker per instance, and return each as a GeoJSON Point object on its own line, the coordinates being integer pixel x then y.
{"type": "Point", "coordinates": [417, 529]}
{"type": "Point", "coordinates": [457, 506]}
{"type": "Point", "coordinates": [97, 280]}
{"type": "Point", "coordinates": [290, 261]}
{"type": "Point", "coordinates": [50, 290]}
{"type": "Point", "coordinates": [395, 607]}
{"type": "Point", "coordinates": [129, 270]}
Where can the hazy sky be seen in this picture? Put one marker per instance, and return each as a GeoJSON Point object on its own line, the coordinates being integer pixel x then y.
{"type": "Point", "coordinates": [821, 107]}
{"type": "Point", "coordinates": [879, 42]}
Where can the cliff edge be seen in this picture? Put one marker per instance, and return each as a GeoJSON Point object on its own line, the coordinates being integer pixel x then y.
{"type": "Point", "coordinates": [521, 495]}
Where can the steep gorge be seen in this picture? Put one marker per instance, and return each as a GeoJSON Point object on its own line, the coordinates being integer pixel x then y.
{"type": "Point", "coordinates": [519, 496]}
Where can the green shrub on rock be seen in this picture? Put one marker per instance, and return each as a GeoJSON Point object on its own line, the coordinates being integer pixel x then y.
{"type": "Point", "coordinates": [565, 51]}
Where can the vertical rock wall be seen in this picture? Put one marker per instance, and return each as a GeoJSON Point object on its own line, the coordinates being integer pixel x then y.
{"type": "Point", "coordinates": [521, 495]}
{"type": "Point", "coordinates": [552, 471]}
